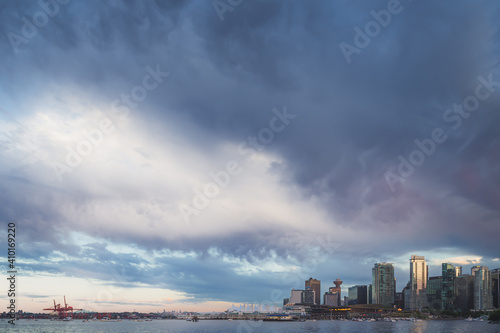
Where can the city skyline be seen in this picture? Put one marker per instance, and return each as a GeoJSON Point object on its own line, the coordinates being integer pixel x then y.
{"type": "Point", "coordinates": [327, 285]}
{"type": "Point", "coordinates": [180, 155]}
{"type": "Point", "coordinates": [452, 290]}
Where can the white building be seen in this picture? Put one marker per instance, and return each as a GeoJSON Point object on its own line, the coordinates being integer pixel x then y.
{"type": "Point", "coordinates": [295, 296]}
{"type": "Point", "coordinates": [418, 283]}
{"type": "Point", "coordinates": [483, 299]}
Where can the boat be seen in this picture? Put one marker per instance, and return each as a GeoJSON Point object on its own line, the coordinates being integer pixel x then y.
{"type": "Point", "coordinates": [67, 319]}
{"type": "Point", "coordinates": [277, 317]}
{"type": "Point", "coordinates": [469, 319]}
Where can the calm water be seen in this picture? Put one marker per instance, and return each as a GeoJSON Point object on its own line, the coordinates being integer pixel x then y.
{"type": "Point", "coordinates": [178, 326]}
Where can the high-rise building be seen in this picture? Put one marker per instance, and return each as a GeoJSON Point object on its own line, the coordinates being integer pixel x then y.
{"type": "Point", "coordinates": [458, 271]}
{"type": "Point", "coordinates": [358, 295]}
{"type": "Point", "coordinates": [448, 286]}
{"type": "Point", "coordinates": [464, 292]}
{"type": "Point", "coordinates": [302, 296]}
{"type": "Point", "coordinates": [418, 283]}
{"type": "Point", "coordinates": [495, 286]}
{"type": "Point", "coordinates": [331, 299]}
{"type": "Point", "coordinates": [406, 295]}
{"type": "Point", "coordinates": [316, 286]}
{"type": "Point", "coordinates": [482, 288]}
{"type": "Point", "coordinates": [308, 296]}
{"type": "Point", "coordinates": [434, 286]}
{"type": "Point", "coordinates": [383, 284]}
{"type": "Point", "coordinates": [370, 294]}
{"type": "Point", "coordinates": [295, 296]}
{"type": "Point", "coordinates": [399, 300]}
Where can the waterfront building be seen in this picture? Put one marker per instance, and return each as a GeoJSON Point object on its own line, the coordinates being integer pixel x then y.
{"type": "Point", "coordinates": [331, 299]}
{"type": "Point", "coordinates": [296, 309]}
{"type": "Point", "coordinates": [447, 286]}
{"type": "Point", "coordinates": [308, 296]}
{"type": "Point", "coordinates": [399, 300]}
{"type": "Point", "coordinates": [495, 286]}
{"type": "Point", "coordinates": [434, 285]}
{"type": "Point", "coordinates": [383, 284]}
{"type": "Point", "coordinates": [358, 295]}
{"type": "Point", "coordinates": [418, 283]}
{"type": "Point", "coordinates": [316, 286]}
{"type": "Point", "coordinates": [482, 288]}
{"type": "Point", "coordinates": [406, 295]}
{"type": "Point", "coordinates": [370, 294]}
{"type": "Point", "coordinates": [301, 296]}
{"type": "Point", "coordinates": [295, 296]}
{"type": "Point", "coordinates": [464, 292]}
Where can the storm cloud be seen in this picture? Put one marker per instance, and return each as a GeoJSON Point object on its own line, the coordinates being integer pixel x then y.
{"type": "Point", "coordinates": [115, 116]}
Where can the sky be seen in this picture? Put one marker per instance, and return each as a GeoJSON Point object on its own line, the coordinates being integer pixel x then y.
{"type": "Point", "coordinates": [191, 155]}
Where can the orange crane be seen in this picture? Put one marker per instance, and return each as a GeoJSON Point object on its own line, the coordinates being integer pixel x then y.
{"type": "Point", "coordinates": [65, 312]}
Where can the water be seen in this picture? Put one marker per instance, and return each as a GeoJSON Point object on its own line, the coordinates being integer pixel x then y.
{"type": "Point", "coordinates": [222, 326]}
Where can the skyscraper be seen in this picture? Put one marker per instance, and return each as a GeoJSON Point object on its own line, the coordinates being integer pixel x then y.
{"type": "Point", "coordinates": [464, 292]}
{"type": "Point", "coordinates": [418, 283]}
{"type": "Point", "coordinates": [331, 298]}
{"type": "Point", "coordinates": [482, 288]}
{"type": "Point", "coordinates": [458, 271]}
{"type": "Point", "coordinates": [358, 295]}
{"type": "Point", "coordinates": [448, 286]}
{"type": "Point", "coordinates": [316, 286]}
{"type": "Point", "coordinates": [383, 284]}
{"type": "Point", "coordinates": [370, 294]}
{"type": "Point", "coordinates": [434, 286]}
{"type": "Point", "coordinates": [495, 286]}
{"type": "Point", "coordinates": [295, 296]}
{"type": "Point", "coordinates": [308, 296]}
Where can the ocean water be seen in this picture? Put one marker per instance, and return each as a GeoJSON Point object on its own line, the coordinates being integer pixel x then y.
{"type": "Point", "coordinates": [221, 326]}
